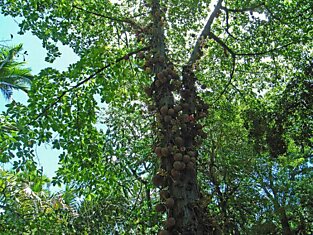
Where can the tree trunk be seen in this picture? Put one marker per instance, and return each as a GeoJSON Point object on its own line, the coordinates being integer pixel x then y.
{"type": "Point", "coordinates": [178, 135]}
{"type": "Point", "coordinates": [284, 222]}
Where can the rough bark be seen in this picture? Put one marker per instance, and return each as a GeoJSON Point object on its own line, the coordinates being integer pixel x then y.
{"type": "Point", "coordinates": [178, 133]}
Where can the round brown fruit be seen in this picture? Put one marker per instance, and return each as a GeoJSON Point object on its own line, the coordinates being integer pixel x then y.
{"type": "Point", "coordinates": [179, 141]}
{"type": "Point", "coordinates": [151, 108]}
{"type": "Point", "coordinates": [186, 158]}
{"type": "Point", "coordinates": [182, 165]}
{"type": "Point", "coordinates": [160, 75]}
{"type": "Point", "coordinates": [192, 153]}
{"type": "Point", "coordinates": [170, 223]}
{"type": "Point", "coordinates": [178, 108]}
{"type": "Point", "coordinates": [158, 151]}
{"type": "Point", "coordinates": [148, 91]}
{"type": "Point", "coordinates": [164, 194]}
{"type": "Point", "coordinates": [176, 165]}
{"type": "Point", "coordinates": [165, 152]}
{"type": "Point", "coordinates": [167, 118]}
{"type": "Point", "coordinates": [158, 83]}
{"type": "Point", "coordinates": [176, 84]}
{"type": "Point", "coordinates": [185, 106]}
{"type": "Point", "coordinates": [157, 180]}
{"type": "Point", "coordinates": [198, 126]}
{"type": "Point", "coordinates": [190, 165]}
{"type": "Point", "coordinates": [140, 55]}
{"type": "Point", "coordinates": [178, 157]}
{"type": "Point", "coordinates": [160, 208]}
{"type": "Point", "coordinates": [184, 117]}
{"type": "Point", "coordinates": [171, 112]}
{"type": "Point", "coordinates": [175, 174]}
{"type": "Point", "coordinates": [169, 203]}
{"type": "Point", "coordinates": [164, 232]}
{"type": "Point", "coordinates": [164, 110]}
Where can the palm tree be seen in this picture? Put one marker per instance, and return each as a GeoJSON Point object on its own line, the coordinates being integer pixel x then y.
{"type": "Point", "coordinates": [12, 74]}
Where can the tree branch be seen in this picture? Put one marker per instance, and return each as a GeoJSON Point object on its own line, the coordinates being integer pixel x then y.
{"type": "Point", "coordinates": [265, 52]}
{"type": "Point", "coordinates": [231, 75]}
{"type": "Point", "coordinates": [252, 8]}
{"type": "Point", "coordinates": [219, 41]}
{"type": "Point", "coordinates": [88, 79]}
{"type": "Point", "coordinates": [124, 20]}
{"type": "Point", "coordinates": [195, 55]}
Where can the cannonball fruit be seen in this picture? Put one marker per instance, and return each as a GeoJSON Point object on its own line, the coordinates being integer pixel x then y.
{"type": "Point", "coordinates": [170, 222]}
{"type": "Point", "coordinates": [186, 158]}
{"type": "Point", "coordinates": [163, 110]}
{"type": "Point", "coordinates": [178, 157]}
{"type": "Point", "coordinates": [164, 232]}
{"type": "Point", "coordinates": [190, 165]}
{"type": "Point", "coordinates": [192, 153]}
{"type": "Point", "coordinates": [157, 180]}
{"type": "Point", "coordinates": [165, 151]}
{"type": "Point", "coordinates": [169, 203]}
{"type": "Point", "coordinates": [185, 106]}
{"type": "Point", "coordinates": [179, 141]}
{"type": "Point", "coordinates": [158, 151]}
{"type": "Point", "coordinates": [167, 118]}
{"type": "Point", "coordinates": [160, 208]}
{"type": "Point", "coordinates": [140, 55]}
{"type": "Point", "coordinates": [164, 194]}
{"type": "Point", "coordinates": [177, 108]}
{"type": "Point", "coordinates": [171, 112]}
{"type": "Point", "coordinates": [160, 76]}
{"type": "Point", "coordinates": [175, 174]}
{"type": "Point", "coordinates": [178, 165]}
{"type": "Point", "coordinates": [158, 83]}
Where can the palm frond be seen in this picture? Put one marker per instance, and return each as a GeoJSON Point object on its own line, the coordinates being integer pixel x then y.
{"type": "Point", "coordinates": [12, 73]}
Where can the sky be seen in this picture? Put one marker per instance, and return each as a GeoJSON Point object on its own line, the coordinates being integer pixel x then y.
{"type": "Point", "coordinates": [48, 158]}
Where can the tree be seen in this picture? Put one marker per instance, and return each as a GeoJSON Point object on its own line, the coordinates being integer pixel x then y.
{"type": "Point", "coordinates": [12, 73]}
{"type": "Point", "coordinates": [27, 207]}
{"type": "Point", "coordinates": [168, 73]}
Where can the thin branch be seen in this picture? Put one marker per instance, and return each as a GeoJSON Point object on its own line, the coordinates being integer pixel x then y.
{"type": "Point", "coordinates": [125, 20]}
{"type": "Point", "coordinates": [265, 52]}
{"type": "Point", "coordinates": [219, 41]}
{"type": "Point", "coordinates": [204, 34]}
{"type": "Point", "coordinates": [240, 93]}
{"type": "Point", "coordinates": [138, 177]}
{"type": "Point", "coordinates": [227, 25]}
{"type": "Point", "coordinates": [231, 75]}
{"type": "Point", "coordinates": [252, 8]}
{"type": "Point", "coordinates": [88, 79]}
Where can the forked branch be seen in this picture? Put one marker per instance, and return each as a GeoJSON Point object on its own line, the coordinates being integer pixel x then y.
{"type": "Point", "coordinates": [195, 55]}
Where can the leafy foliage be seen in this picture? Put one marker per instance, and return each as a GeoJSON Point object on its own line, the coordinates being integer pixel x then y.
{"type": "Point", "coordinates": [251, 63]}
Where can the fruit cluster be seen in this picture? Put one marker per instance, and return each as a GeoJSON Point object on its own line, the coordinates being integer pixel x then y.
{"type": "Point", "coordinates": [178, 111]}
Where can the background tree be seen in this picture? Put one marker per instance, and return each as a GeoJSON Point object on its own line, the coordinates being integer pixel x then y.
{"type": "Point", "coordinates": [175, 76]}
{"type": "Point", "coordinates": [27, 207]}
